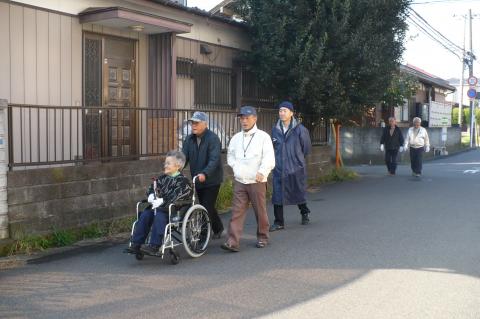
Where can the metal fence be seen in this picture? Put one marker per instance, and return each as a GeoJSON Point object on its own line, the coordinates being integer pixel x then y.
{"type": "Point", "coordinates": [53, 135]}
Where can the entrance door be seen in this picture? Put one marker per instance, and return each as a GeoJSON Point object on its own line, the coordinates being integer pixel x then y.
{"type": "Point", "coordinates": [109, 130]}
{"type": "Point", "coordinates": [119, 96]}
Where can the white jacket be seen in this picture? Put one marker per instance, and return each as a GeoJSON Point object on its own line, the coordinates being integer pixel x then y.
{"type": "Point", "coordinates": [417, 139]}
{"type": "Point", "coordinates": [250, 153]}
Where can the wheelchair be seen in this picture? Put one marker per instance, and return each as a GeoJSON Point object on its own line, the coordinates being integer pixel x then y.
{"type": "Point", "coordinates": [188, 226]}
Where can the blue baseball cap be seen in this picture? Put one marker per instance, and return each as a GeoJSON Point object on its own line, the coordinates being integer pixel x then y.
{"type": "Point", "coordinates": [286, 104]}
{"type": "Point", "coordinates": [247, 110]}
{"type": "Point", "coordinates": [199, 117]}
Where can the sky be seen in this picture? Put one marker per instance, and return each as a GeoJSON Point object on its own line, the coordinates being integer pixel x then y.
{"type": "Point", "coordinates": [421, 51]}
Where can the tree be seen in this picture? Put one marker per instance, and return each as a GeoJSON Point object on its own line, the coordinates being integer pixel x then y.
{"type": "Point", "coordinates": [402, 86]}
{"type": "Point", "coordinates": [334, 57]}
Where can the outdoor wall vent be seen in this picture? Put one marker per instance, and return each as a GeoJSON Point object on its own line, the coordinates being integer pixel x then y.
{"type": "Point", "coordinates": [205, 49]}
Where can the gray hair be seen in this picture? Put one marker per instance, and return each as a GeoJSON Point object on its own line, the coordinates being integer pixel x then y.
{"type": "Point", "coordinates": [392, 118]}
{"type": "Point", "coordinates": [179, 158]}
{"type": "Point", "coordinates": [417, 119]}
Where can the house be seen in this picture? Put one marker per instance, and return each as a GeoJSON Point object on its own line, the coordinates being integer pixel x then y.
{"type": "Point", "coordinates": [115, 59]}
{"type": "Point", "coordinates": [92, 93]}
{"type": "Point", "coordinates": [431, 89]}
{"type": "Point", "coordinates": [97, 81]}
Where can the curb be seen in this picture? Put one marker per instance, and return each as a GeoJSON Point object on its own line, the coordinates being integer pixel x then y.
{"type": "Point", "coordinates": [14, 261]}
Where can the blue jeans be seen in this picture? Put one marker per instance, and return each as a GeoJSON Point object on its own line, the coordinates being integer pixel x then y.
{"type": "Point", "coordinates": [152, 222]}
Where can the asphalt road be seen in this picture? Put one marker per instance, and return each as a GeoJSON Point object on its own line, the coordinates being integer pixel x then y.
{"type": "Point", "coordinates": [381, 247]}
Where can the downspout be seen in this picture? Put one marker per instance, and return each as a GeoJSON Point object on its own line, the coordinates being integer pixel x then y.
{"type": "Point", "coordinates": [3, 169]}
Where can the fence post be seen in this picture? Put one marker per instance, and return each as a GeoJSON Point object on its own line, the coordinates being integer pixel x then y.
{"type": "Point", "coordinates": [3, 169]}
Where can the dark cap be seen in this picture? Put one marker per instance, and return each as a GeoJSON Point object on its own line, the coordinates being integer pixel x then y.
{"type": "Point", "coordinates": [247, 110]}
{"type": "Point", "coordinates": [199, 117]}
{"type": "Point", "coordinates": [286, 104]}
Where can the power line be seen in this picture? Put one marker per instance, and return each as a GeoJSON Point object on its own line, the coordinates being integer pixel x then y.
{"type": "Point", "coordinates": [427, 30]}
{"type": "Point", "coordinates": [435, 30]}
{"type": "Point", "coordinates": [443, 1]}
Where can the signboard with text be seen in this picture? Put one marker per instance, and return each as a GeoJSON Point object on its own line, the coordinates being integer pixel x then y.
{"type": "Point", "coordinates": [440, 115]}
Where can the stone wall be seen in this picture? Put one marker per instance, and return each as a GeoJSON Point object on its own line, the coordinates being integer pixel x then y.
{"type": "Point", "coordinates": [362, 145]}
{"type": "Point", "coordinates": [41, 200]}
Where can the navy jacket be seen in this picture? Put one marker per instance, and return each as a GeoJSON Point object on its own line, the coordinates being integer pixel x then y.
{"type": "Point", "coordinates": [204, 158]}
{"type": "Point", "coordinates": [290, 173]}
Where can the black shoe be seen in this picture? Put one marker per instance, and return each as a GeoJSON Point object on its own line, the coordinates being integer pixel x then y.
{"type": "Point", "coordinates": [151, 250]}
{"type": "Point", "coordinates": [305, 219]}
{"type": "Point", "coordinates": [227, 246]}
{"type": "Point", "coordinates": [276, 227]}
{"type": "Point", "coordinates": [132, 249]}
{"type": "Point", "coordinates": [217, 235]}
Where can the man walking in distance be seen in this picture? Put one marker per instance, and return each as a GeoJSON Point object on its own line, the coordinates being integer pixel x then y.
{"type": "Point", "coordinates": [202, 151]}
{"type": "Point", "coordinates": [251, 157]}
{"type": "Point", "coordinates": [391, 143]}
{"type": "Point", "coordinates": [291, 141]}
{"type": "Point", "coordinates": [418, 141]}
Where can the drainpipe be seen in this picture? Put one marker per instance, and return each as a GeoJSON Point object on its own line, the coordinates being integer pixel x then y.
{"type": "Point", "coordinates": [3, 169]}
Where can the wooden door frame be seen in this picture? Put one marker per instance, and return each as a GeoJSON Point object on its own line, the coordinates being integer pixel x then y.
{"type": "Point", "coordinates": [104, 139]}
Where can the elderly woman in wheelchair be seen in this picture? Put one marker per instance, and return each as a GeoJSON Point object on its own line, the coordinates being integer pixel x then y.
{"type": "Point", "coordinates": [171, 214]}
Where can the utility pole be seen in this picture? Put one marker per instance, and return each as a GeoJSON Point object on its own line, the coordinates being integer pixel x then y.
{"type": "Point", "coordinates": [470, 69]}
{"type": "Point", "coordinates": [460, 107]}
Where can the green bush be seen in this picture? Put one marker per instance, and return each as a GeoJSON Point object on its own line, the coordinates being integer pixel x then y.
{"type": "Point", "coordinates": [335, 175]}
{"type": "Point", "coordinates": [455, 112]}
{"type": "Point", "coordinates": [225, 195]}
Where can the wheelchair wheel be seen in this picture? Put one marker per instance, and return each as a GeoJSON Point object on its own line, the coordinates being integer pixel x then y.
{"type": "Point", "coordinates": [174, 257]}
{"type": "Point", "coordinates": [139, 256]}
{"type": "Point", "coordinates": [196, 231]}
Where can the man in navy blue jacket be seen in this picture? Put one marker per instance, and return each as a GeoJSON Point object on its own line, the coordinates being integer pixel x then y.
{"type": "Point", "coordinates": [291, 141]}
{"type": "Point", "coordinates": [202, 150]}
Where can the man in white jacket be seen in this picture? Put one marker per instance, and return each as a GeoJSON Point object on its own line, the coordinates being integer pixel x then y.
{"type": "Point", "coordinates": [418, 142]}
{"type": "Point", "coordinates": [251, 157]}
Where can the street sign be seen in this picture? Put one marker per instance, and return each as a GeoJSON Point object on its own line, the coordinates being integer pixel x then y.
{"type": "Point", "coordinates": [472, 93]}
{"type": "Point", "coordinates": [472, 81]}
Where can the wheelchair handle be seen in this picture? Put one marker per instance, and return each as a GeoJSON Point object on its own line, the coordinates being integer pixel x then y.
{"type": "Point", "coordinates": [194, 180]}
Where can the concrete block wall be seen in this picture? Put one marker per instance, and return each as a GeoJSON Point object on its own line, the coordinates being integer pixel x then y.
{"type": "Point", "coordinates": [362, 145]}
{"type": "Point", "coordinates": [41, 200]}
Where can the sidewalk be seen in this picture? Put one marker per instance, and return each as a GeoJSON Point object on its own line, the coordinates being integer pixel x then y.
{"type": "Point", "coordinates": [83, 245]}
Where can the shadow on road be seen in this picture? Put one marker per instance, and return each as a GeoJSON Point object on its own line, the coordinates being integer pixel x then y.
{"type": "Point", "coordinates": [358, 228]}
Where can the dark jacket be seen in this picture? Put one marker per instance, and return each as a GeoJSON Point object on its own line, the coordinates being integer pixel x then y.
{"type": "Point", "coordinates": [290, 172]}
{"type": "Point", "coordinates": [172, 189]}
{"type": "Point", "coordinates": [392, 142]}
{"type": "Point", "coordinates": [204, 158]}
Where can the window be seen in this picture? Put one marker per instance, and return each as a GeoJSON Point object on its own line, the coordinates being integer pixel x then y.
{"type": "Point", "coordinates": [214, 87]}
{"type": "Point", "coordinates": [185, 67]}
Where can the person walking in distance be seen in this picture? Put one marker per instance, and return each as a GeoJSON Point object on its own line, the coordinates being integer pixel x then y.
{"type": "Point", "coordinates": [391, 143]}
{"type": "Point", "coordinates": [417, 142]}
{"type": "Point", "coordinates": [251, 157]}
{"type": "Point", "coordinates": [291, 141]}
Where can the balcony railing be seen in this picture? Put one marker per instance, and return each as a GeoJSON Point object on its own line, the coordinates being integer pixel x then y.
{"type": "Point", "coordinates": [53, 135]}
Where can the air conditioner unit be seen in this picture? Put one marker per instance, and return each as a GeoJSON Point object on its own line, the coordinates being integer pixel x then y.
{"type": "Point", "coordinates": [205, 49]}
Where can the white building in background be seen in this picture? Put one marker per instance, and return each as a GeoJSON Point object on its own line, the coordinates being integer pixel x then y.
{"type": "Point", "coordinates": [456, 97]}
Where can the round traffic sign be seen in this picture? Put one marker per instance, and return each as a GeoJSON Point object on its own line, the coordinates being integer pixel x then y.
{"type": "Point", "coordinates": [472, 81]}
{"type": "Point", "coordinates": [472, 93]}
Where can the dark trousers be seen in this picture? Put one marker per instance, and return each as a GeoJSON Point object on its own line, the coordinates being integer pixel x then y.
{"type": "Point", "coordinates": [391, 160]}
{"type": "Point", "coordinates": [152, 222]}
{"type": "Point", "coordinates": [278, 212]}
{"type": "Point", "coordinates": [208, 198]}
{"type": "Point", "coordinates": [416, 155]}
